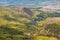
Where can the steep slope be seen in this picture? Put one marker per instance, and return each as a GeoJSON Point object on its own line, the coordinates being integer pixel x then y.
{"type": "Point", "coordinates": [12, 24]}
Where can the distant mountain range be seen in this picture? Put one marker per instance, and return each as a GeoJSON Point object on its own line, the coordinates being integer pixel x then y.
{"type": "Point", "coordinates": [30, 11]}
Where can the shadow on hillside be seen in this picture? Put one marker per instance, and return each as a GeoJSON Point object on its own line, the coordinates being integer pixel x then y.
{"type": "Point", "coordinates": [11, 31]}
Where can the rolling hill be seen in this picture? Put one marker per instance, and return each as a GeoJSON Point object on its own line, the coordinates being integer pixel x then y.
{"type": "Point", "coordinates": [20, 23]}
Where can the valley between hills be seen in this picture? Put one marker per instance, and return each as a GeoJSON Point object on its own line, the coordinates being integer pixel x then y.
{"type": "Point", "coordinates": [21, 23]}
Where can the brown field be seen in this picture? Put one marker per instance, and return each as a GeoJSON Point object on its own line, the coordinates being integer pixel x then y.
{"type": "Point", "coordinates": [53, 20]}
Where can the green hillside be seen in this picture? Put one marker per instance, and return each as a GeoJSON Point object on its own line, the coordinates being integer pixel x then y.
{"type": "Point", "coordinates": [28, 24]}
